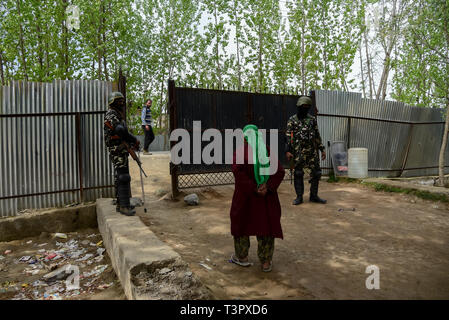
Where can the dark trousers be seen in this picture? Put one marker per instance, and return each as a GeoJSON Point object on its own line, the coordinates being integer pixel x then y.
{"type": "Point", "coordinates": [149, 137]}
{"type": "Point", "coordinates": [315, 176]}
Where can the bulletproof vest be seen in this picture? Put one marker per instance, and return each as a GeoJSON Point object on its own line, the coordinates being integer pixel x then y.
{"type": "Point", "coordinates": [111, 138]}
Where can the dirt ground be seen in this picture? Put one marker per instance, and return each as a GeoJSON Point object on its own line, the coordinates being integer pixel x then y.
{"type": "Point", "coordinates": [25, 262]}
{"type": "Point", "coordinates": [326, 249]}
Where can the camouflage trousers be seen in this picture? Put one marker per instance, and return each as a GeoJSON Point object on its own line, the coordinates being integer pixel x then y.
{"type": "Point", "coordinates": [118, 157]}
{"type": "Point", "coordinates": [265, 247]}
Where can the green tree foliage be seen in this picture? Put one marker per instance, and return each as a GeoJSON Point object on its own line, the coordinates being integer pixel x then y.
{"type": "Point", "coordinates": [266, 45]}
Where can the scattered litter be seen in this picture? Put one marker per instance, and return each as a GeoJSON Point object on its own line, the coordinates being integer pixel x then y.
{"type": "Point", "coordinates": [39, 283]}
{"type": "Point", "coordinates": [105, 286]}
{"type": "Point", "coordinates": [435, 206]}
{"type": "Point", "coordinates": [205, 266]}
{"type": "Point", "coordinates": [77, 254]}
{"type": "Point", "coordinates": [44, 267]}
{"type": "Point", "coordinates": [58, 274]}
{"type": "Point", "coordinates": [24, 258]}
{"type": "Point", "coordinates": [96, 271]}
{"type": "Point", "coordinates": [99, 258]}
{"type": "Point", "coordinates": [86, 257]}
{"type": "Point", "coordinates": [51, 256]}
{"type": "Point", "coordinates": [52, 296]}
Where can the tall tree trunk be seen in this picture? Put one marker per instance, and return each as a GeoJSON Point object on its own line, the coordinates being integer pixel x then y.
{"type": "Point", "coordinates": [382, 89]}
{"type": "Point", "coordinates": [40, 50]}
{"type": "Point", "coordinates": [361, 70]}
{"type": "Point", "coordinates": [237, 38]}
{"type": "Point", "coordinates": [2, 75]}
{"type": "Point", "coordinates": [47, 59]}
{"type": "Point", "coordinates": [99, 56]}
{"type": "Point", "coordinates": [22, 42]}
{"type": "Point", "coordinates": [441, 161]}
{"type": "Point", "coordinates": [105, 64]}
{"type": "Point", "coordinates": [217, 48]}
{"type": "Point", "coordinates": [65, 32]}
{"type": "Point", "coordinates": [162, 102]}
{"type": "Point", "coordinates": [303, 62]}
{"type": "Point", "coordinates": [368, 65]}
{"type": "Point", "coordinates": [326, 84]}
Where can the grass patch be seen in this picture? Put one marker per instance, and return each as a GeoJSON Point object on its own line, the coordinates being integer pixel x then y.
{"type": "Point", "coordinates": [426, 195]}
{"type": "Point", "coordinates": [333, 179]}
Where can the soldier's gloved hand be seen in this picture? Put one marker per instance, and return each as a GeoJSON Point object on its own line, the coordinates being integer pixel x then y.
{"type": "Point", "coordinates": [136, 146]}
{"type": "Point", "coordinates": [323, 155]}
{"type": "Point", "coordinates": [289, 156]}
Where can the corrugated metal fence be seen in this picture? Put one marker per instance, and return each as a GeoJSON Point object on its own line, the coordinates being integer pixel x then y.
{"type": "Point", "coordinates": [52, 149]}
{"type": "Point", "coordinates": [401, 140]}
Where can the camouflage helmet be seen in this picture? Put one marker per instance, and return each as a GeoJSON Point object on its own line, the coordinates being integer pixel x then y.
{"type": "Point", "coordinates": [304, 101]}
{"type": "Point", "coordinates": [113, 96]}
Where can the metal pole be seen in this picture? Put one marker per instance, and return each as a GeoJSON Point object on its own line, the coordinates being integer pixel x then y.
{"type": "Point", "coordinates": [349, 133]}
{"type": "Point", "coordinates": [141, 184]}
{"type": "Point", "coordinates": [173, 125]}
{"type": "Point", "coordinates": [410, 136]}
{"type": "Point", "coordinates": [80, 154]}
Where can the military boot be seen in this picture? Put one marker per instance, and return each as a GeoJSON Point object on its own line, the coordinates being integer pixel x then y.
{"type": "Point", "coordinates": [127, 211]}
{"type": "Point", "coordinates": [117, 207]}
{"type": "Point", "coordinates": [124, 194]}
{"type": "Point", "coordinates": [299, 188]}
{"type": "Point", "coordinates": [314, 192]}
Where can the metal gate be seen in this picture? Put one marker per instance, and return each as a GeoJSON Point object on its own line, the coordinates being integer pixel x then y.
{"type": "Point", "coordinates": [401, 140]}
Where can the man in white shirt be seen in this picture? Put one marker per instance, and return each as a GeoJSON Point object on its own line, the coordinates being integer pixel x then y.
{"type": "Point", "coordinates": [146, 126]}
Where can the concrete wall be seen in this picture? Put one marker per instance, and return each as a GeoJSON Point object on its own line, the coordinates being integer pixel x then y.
{"type": "Point", "coordinates": [52, 221]}
{"type": "Point", "coordinates": [157, 144]}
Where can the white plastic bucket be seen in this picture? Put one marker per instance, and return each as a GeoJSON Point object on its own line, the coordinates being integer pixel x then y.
{"type": "Point", "coordinates": [358, 163]}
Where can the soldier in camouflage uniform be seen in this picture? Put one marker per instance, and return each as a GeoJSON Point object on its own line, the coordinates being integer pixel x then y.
{"type": "Point", "coordinates": [303, 143]}
{"type": "Point", "coordinates": [115, 133]}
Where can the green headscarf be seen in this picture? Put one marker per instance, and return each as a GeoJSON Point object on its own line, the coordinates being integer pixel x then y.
{"type": "Point", "coordinates": [260, 155]}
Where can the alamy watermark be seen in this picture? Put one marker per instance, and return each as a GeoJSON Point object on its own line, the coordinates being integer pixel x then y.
{"type": "Point", "coordinates": [188, 149]}
{"type": "Point", "coordinates": [373, 281]}
{"type": "Point", "coordinates": [73, 17]}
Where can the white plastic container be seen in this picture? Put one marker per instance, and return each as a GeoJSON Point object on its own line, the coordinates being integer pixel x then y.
{"type": "Point", "coordinates": [358, 163]}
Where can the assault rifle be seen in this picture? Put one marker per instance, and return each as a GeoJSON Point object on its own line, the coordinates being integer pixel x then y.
{"type": "Point", "coordinates": [134, 156]}
{"type": "Point", "coordinates": [128, 148]}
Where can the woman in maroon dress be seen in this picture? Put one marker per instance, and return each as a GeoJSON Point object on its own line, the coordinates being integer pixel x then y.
{"type": "Point", "coordinates": [255, 209]}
